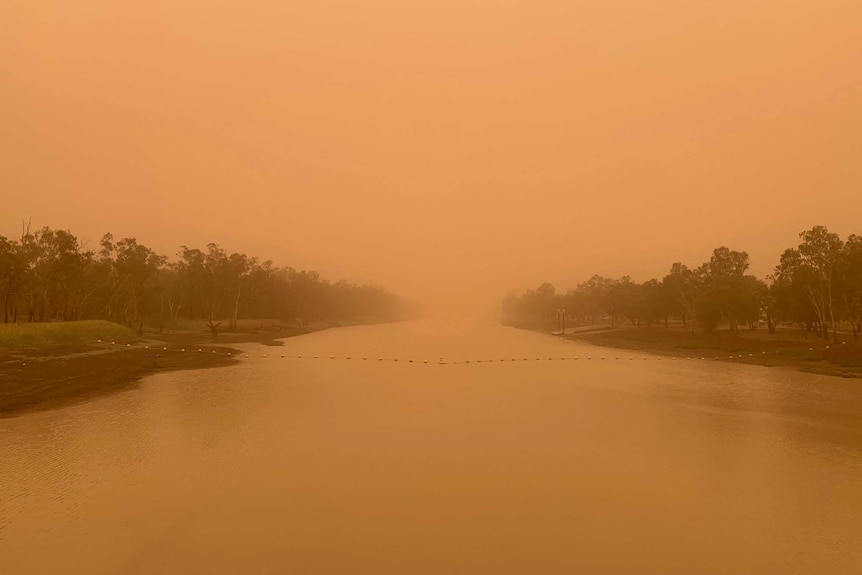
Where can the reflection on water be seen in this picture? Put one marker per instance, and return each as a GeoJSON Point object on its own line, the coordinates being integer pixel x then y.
{"type": "Point", "coordinates": [287, 466]}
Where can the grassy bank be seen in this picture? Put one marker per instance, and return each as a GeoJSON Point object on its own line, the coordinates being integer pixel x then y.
{"type": "Point", "coordinates": [16, 336]}
{"type": "Point", "coordinates": [784, 348]}
{"type": "Point", "coordinates": [48, 365]}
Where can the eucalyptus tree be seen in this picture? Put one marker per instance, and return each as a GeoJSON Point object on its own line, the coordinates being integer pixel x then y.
{"type": "Point", "coordinates": [681, 286]}
{"type": "Point", "coordinates": [10, 277]}
{"type": "Point", "coordinates": [851, 282]}
{"type": "Point", "coordinates": [814, 267]}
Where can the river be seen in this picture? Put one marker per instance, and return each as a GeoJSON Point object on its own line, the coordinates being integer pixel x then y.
{"type": "Point", "coordinates": [627, 464]}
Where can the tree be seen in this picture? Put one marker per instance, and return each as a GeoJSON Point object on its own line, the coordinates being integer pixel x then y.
{"type": "Point", "coordinates": [681, 286]}
{"type": "Point", "coordinates": [851, 282]}
{"type": "Point", "coordinates": [727, 294]}
{"type": "Point", "coordinates": [814, 267]}
{"type": "Point", "coordinates": [10, 272]}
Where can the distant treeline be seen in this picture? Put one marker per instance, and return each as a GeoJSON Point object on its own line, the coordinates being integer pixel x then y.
{"type": "Point", "coordinates": [47, 276]}
{"type": "Point", "coordinates": [816, 286]}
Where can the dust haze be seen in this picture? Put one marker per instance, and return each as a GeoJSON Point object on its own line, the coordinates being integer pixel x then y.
{"type": "Point", "coordinates": [450, 151]}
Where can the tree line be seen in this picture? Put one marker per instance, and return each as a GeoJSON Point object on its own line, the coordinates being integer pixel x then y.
{"type": "Point", "coordinates": [816, 286]}
{"type": "Point", "coordinates": [47, 275]}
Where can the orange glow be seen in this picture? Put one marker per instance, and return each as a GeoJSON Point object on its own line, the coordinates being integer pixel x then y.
{"type": "Point", "coordinates": [448, 150]}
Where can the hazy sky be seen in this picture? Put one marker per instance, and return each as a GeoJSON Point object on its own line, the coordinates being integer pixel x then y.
{"type": "Point", "coordinates": [442, 148]}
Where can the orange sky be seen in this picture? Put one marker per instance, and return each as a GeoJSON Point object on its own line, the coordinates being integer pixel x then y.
{"type": "Point", "coordinates": [447, 149]}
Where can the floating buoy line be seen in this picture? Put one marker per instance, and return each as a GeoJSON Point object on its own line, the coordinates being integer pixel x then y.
{"type": "Point", "coordinates": [160, 350]}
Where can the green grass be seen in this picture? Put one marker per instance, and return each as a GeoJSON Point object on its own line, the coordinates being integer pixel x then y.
{"type": "Point", "coordinates": [35, 335]}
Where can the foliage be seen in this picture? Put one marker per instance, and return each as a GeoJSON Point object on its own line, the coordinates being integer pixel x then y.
{"type": "Point", "coordinates": [815, 286]}
{"type": "Point", "coordinates": [47, 276]}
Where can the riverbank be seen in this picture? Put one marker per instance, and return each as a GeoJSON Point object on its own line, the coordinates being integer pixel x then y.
{"type": "Point", "coordinates": [786, 348]}
{"type": "Point", "coordinates": [49, 376]}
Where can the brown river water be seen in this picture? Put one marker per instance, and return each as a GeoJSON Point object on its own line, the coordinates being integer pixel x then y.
{"type": "Point", "coordinates": [307, 466]}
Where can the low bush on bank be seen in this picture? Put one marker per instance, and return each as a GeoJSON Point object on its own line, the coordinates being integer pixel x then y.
{"type": "Point", "coordinates": [30, 335]}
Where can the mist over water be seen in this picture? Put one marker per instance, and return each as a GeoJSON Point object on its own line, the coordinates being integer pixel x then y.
{"type": "Point", "coordinates": [332, 465]}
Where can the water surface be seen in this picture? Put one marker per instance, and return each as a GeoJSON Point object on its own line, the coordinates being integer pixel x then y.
{"type": "Point", "coordinates": [286, 465]}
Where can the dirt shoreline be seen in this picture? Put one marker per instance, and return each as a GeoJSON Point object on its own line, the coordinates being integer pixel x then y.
{"type": "Point", "coordinates": [782, 350]}
{"type": "Point", "coordinates": [59, 376]}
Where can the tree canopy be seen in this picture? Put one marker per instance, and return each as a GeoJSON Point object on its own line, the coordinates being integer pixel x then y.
{"type": "Point", "coordinates": [816, 285]}
{"type": "Point", "coordinates": [46, 275]}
